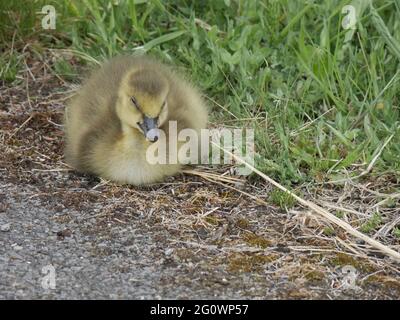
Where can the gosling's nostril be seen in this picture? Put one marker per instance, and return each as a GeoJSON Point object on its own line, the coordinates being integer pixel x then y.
{"type": "Point", "coordinates": [153, 135]}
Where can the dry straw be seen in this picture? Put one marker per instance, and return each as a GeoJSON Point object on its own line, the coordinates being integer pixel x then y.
{"type": "Point", "coordinates": [324, 213]}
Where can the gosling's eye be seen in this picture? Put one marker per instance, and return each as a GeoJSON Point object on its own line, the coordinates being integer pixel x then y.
{"type": "Point", "coordinates": [135, 102]}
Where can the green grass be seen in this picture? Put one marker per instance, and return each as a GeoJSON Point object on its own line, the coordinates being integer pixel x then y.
{"type": "Point", "coordinates": [396, 232]}
{"type": "Point", "coordinates": [372, 224]}
{"type": "Point", "coordinates": [322, 99]}
{"type": "Point", "coordinates": [282, 199]}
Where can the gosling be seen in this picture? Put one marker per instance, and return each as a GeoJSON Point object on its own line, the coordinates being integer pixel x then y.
{"type": "Point", "coordinates": [118, 114]}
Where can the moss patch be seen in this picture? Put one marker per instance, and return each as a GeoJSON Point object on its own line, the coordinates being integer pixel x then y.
{"type": "Point", "coordinates": [343, 259]}
{"type": "Point", "coordinates": [256, 240]}
{"type": "Point", "coordinates": [239, 262]}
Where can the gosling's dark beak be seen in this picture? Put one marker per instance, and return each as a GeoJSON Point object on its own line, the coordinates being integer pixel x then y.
{"type": "Point", "coordinates": [150, 129]}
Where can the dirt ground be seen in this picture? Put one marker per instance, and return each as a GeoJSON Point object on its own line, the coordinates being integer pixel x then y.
{"type": "Point", "coordinates": [191, 237]}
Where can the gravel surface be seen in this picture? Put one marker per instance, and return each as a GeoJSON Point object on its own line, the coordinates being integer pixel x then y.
{"type": "Point", "coordinates": [95, 259]}
{"type": "Point", "coordinates": [119, 262]}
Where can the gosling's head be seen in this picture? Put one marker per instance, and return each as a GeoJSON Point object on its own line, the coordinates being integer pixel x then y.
{"type": "Point", "coordinates": [142, 102]}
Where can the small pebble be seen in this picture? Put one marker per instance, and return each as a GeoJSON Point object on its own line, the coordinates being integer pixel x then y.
{"type": "Point", "coordinates": [5, 227]}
